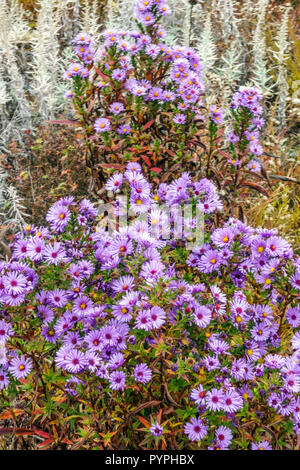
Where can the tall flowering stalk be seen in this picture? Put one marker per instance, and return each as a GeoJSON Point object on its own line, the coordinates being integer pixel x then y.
{"type": "Point", "coordinates": [141, 97]}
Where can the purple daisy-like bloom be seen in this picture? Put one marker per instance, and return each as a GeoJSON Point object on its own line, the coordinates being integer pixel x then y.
{"type": "Point", "coordinates": [92, 361]}
{"type": "Point", "coordinates": [123, 284]}
{"type": "Point", "coordinates": [5, 331]}
{"type": "Point", "coordinates": [20, 367]}
{"type": "Point", "coordinates": [14, 283]}
{"type": "Point", "coordinates": [117, 380]}
{"type": "Point", "coordinates": [215, 399]}
{"type": "Point", "coordinates": [57, 298]}
{"type": "Point", "coordinates": [256, 148]}
{"type": "Point", "coordinates": [232, 401]}
{"type": "Point", "coordinates": [143, 321]}
{"type": "Point", "coordinates": [108, 336]}
{"type": "Point", "coordinates": [210, 261]}
{"type": "Point", "coordinates": [49, 334]}
{"type": "Point", "coordinates": [124, 129]}
{"type": "Point", "coordinates": [255, 166]}
{"type": "Point", "coordinates": [4, 379]}
{"type": "Point", "coordinates": [58, 216]}
{"type": "Point", "coordinates": [293, 316]}
{"type": "Point", "coordinates": [156, 429]}
{"type": "Point", "coordinates": [262, 445]}
{"type": "Point", "coordinates": [36, 247]}
{"type": "Point", "coordinates": [122, 312]}
{"type": "Point", "coordinates": [119, 75]}
{"type": "Point", "coordinates": [54, 254]}
{"type": "Point", "coordinates": [142, 373]}
{"type": "Point", "coordinates": [296, 341]}
{"type": "Point", "coordinates": [223, 237]}
{"type": "Point", "coordinates": [75, 361]}
{"type": "Point", "coordinates": [216, 115]}
{"type": "Point", "coordinates": [198, 394]}
{"type": "Point", "coordinates": [223, 436]}
{"type": "Point", "coordinates": [94, 340]}
{"type": "Point", "coordinates": [196, 430]}
{"type": "Point", "coordinates": [157, 317]}
{"type": "Point", "coordinates": [116, 361]}
{"type": "Point", "coordinates": [147, 18]}
{"type": "Point", "coordinates": [179, 119]}
{"type": "Point", "coordinates": [295, 280]}
{"type": "Point", "coordinates": [116, 108]}
{"type": "Point", "coordinates": [102, 125]}
{"type": "Point", "coordinates": [202, 316]}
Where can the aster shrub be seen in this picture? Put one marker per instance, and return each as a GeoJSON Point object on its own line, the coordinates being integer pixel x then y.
{"type": "Point", "coordinates": [132, 337]}
{"type": "Point", "coordinates": [137, 98]}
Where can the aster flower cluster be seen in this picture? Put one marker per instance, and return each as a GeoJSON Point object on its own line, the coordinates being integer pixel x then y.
{"type": "Point", "coordinates": [133, 311]}
{"type": "Point", "coordinates": [138, 84]}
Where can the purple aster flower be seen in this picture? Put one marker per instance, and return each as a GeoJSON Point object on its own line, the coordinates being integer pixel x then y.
{"type": "Point", "coordinates": [102, 125]}
{"type": "Point", "coordinates": [295, 280]}
{"type": "Point", "coordinates": [4, 380]}
{"type": "Point", "coordinates": [58, 216]}
{"type": "Point", "coordinates": [202, 316]}
{"type": "Point", "coordinates": [216, 115]}
{"type": "Point", "coordinates": [123, 284]}
{"type": "Point", "coordinates": [124, 129]}
{"type": "Point", "coordinates": [210, 261]}
{"type": "Point", "coordinates": [179, 119]}
{"type": "Point", "coordinates": [256, 148]}
{"type": "Point", "coordinates": [54, 254]}
{"type": "Point", "coordinates": [157, 317]}
{"type": "Point", "coordinates": [232, 401]}
{"type": "Point", "coordinates": [195, 429]}
{"type": "Point", "coordinates": [147, 18]}
{"type": "Point", "coordinates": [198, 394]}
{"type": "Point", "coordinates": [142, 373]}
{"type": "Point", "coordinates": [116, 361]}
{"type": "Point", "coordinates": [117, 380]}
{"type": "Point", "coordinates": [57, 298]}
{"type": "Point", "coordinates": [116, 108]}
{"type": "Point", "coordinates": [156, 429]}
{"type": "Point", "coordinates": [5, 331]}
{"type": "Point", "coordinates": [119, 75]}
{"type": "Point", "coordinates": [14, 283]}
{"type": "Point", "coordinates": [223, 436]}
{"type": "Point", "coordinates": [293, 316]}
{"type": "Point", "coordinates": [75, 361]}
{"type": "Point", "coordinates": [49, 334]}
{"type": "Point", "coordinates": [215, 399]}
{"type": "Point", "coordinates": [255, 166]}
{"type": "Point", "coordinates": [20, 367]}
{"type": "Point", "coordinates": [262, 445]}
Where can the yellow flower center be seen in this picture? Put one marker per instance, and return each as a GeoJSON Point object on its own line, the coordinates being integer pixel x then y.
{"type": "Point", "coordinates": [238, 319]}
{"type": "Point", "coordinates": [260, 249]}
{"type": "Point", "coordinates": [21, 367]}
{"type": "Point", "coordinates": [213, 261]}
{"type": "Point", "coordinates": [249, 352]}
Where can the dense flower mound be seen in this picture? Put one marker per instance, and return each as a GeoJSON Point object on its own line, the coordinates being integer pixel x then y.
{"type": "Point", "coordinates": [209, 337]}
